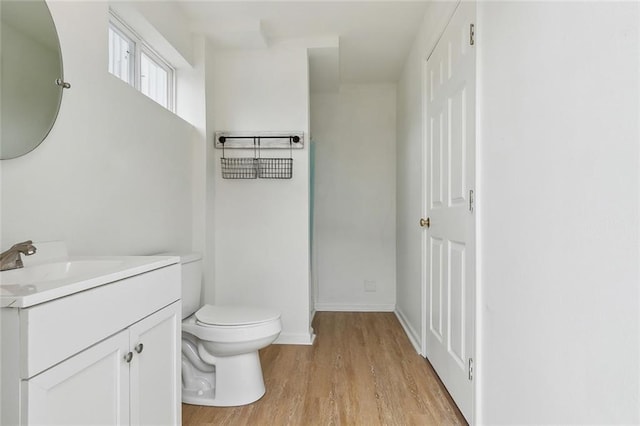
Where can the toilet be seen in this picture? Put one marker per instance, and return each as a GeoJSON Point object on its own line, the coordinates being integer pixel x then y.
{"type": "Point", "coordinates": [220, 362]}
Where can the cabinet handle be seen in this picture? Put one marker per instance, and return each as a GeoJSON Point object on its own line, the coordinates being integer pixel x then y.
{"type": "Point", "coordinates": [128, 357]}
{"type": "Point", "coordinates": [139, 347]}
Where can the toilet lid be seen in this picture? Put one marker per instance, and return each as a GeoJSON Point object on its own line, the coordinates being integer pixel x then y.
{"type": "Point", "coordinates": [234, 315]}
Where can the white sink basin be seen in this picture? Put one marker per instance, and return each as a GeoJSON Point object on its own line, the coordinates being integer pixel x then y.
{"type": "Point", "coordinates": [42, 282]}
{"type": "Point", "coordinates": [54, 271]}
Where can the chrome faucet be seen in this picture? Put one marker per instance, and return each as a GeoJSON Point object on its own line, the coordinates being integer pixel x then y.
{"type": "Point", "coordinates": [10, 259]}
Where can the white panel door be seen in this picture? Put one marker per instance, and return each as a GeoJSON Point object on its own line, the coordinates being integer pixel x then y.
{"type": "Point", "coordinates": [90, 388]}
{"type": "Point", "coordinates": [449, 180]}
{"type": "Point", "coordinates": [155, 368]}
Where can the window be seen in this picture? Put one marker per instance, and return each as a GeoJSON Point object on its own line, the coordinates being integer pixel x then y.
{"type": "Point", "coordinates": [120, 59]}
{"type": "Point", "coordinates": [154, 78]}
{"type": "Point", "coordinates": [134, 62]}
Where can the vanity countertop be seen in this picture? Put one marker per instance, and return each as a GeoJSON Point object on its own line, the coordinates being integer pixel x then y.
{"type": "Point", "coordinates": [42, 282]}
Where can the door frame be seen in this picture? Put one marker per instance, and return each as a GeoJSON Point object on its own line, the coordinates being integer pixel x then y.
{"type": "Point", "coordinates": [475, 411]}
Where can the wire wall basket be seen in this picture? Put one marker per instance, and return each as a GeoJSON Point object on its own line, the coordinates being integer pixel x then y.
{"type": "Point", "coordinates": [275, 168]}
{"type": "Point", "coordinates": [239, 168]}
{"type": "Point", "coordinates": [257, 167]}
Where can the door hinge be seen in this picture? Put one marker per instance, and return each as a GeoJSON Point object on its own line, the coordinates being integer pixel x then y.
{"type": "Point", "coordinates": [470, 368]}
{"type": "Point", "coordinates": [471, 200]}
{"type": "Point", "coordinates": [472, 34]}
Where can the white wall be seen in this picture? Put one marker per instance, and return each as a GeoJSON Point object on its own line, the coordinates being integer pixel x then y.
{"type": "Point", "coordinates": [409, 172]}
{"type": "Point", "coordinates": [114, 175]}
{"type": "Point", "coordinates": [354, 133]}
{"type": "Point", "coordinates": [191, 101]}
{"type": "Point", "coordinates": [558, 339]}
{"type": "Point", "coordinates": [262, 225]}
{"type": "Point", "coordinates": [559, 212]}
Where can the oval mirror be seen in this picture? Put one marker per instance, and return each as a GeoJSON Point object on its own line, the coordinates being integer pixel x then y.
{"type": "Point", "coordinates": [30, 62]}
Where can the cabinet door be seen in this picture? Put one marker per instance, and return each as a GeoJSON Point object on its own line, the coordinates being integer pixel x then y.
{"type": "Point", "coordinates": [155, 368]}
{"type": "Point", "coordinates": [90, 388]}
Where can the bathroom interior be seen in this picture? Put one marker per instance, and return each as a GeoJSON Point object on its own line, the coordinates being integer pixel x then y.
{"type": "Point", "coordinates": [119, 175]}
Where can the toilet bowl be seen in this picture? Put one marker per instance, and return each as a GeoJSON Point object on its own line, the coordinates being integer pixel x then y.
{"type": "Point", "coordinates": [220, 344]}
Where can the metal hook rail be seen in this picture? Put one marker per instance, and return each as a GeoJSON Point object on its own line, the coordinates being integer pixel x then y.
{"type": "Point", "coordinates": [265, 140]}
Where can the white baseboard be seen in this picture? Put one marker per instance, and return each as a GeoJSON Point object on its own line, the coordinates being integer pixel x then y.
{"type": "Point", "coordinates": [339, 307]}
{"type": "Point", "coordinates": [411, 333]}
{"type": "Point", "coordinates": [295, 339]}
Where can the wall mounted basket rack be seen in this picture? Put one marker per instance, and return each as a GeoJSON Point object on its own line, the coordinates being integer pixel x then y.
{"type": "Point", "coordinates": [258, 166]}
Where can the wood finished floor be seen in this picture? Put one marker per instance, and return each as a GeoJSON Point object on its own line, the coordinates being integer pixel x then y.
{"type": "Point", "coordinates": [362, 370]}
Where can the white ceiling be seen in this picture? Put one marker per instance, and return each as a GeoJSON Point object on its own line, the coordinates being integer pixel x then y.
{"type": "Point", "coordinates": [374, 37]}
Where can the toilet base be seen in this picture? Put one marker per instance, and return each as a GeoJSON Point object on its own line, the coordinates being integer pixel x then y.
{"type": "Point", "coordinates": [199, 397]}
{"type": "Point", "coordinates": [238, 381]}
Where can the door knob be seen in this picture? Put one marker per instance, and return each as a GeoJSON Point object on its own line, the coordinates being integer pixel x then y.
{"type": "Point", "coordinates": [139, 347]}
{"type": "Point", "coordinates": [425, 223]}
{"type": "Point", "coordinates": [128, 357]}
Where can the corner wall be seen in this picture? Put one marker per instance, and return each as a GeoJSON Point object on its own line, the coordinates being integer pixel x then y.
{"type": "Point", "coordinates": [354, 136]}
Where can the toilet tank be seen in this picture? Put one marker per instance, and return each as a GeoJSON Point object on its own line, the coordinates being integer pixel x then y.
{"type": "Point", "coordinates": [191, 281]}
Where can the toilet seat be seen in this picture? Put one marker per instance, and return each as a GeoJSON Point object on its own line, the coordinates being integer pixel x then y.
{"type": "Point", "coordinates": [232, 334]}
{"type": "Point", "coordinates": [234, 316]}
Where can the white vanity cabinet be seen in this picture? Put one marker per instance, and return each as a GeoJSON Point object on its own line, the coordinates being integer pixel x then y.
{"type": "Point", "coordinates": [91, 387]}
{"type": "Point", "coordinates": [155, 381]}
{"type": "Point", "coordinates": [109, 355]}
